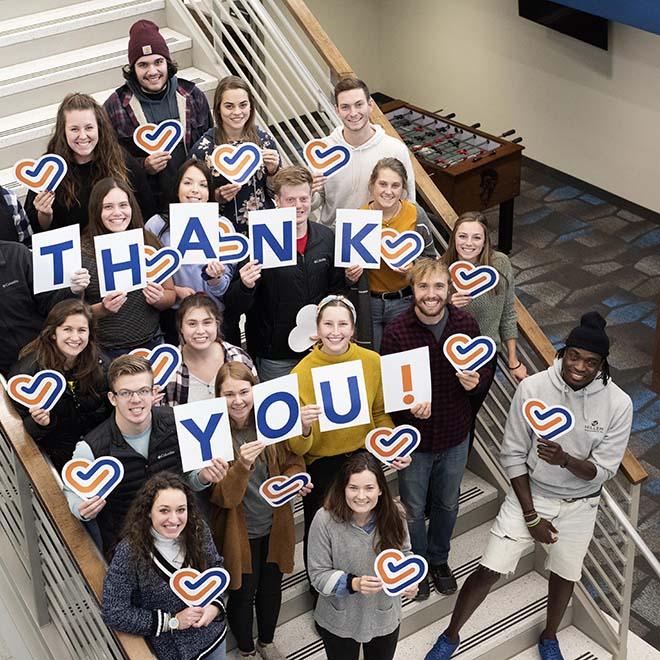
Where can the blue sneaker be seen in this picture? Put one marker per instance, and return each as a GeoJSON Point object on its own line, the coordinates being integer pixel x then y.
{"type": "Point", "coordinates": [549, 649]}
{"type": "Point", "coordinates": [443, 649]}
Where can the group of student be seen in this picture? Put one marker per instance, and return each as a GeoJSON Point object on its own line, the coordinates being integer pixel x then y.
{"type": "Point", "coordinates": [159, 519]}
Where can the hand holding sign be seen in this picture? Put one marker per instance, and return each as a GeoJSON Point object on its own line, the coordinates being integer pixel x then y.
{"type": "Point", "coordinates": [547, 421]}
{"type": "Point", "coordinates": [399, 572]}
{"type": "Point", "coordinates": [89, 479]}
{"type": "Point", "coordinates": [197, 589]}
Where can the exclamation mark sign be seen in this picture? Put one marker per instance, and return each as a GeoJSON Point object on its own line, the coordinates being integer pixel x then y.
{"type": "Point", "coordinates": [406, 378]}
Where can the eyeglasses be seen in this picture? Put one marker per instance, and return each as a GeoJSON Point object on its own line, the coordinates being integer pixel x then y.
{"type": "Point", "coordinates": [142, 393]}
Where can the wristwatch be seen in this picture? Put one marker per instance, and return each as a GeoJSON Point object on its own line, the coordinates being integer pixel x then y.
{"type": "Point", "coordinates": [173, 624]}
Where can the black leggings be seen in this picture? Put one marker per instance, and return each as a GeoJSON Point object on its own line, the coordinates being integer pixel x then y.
{"type": "Point", "coordinates": [263, 588]}
{"type": "Point", "coordinates": [342, 648]}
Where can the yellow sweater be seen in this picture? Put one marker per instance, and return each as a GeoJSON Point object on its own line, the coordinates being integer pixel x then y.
{"type": "Point", "coordinates": [339, 441]}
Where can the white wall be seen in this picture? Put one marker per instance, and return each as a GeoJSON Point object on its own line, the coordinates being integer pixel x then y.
{"type": "Point", "coordinates": [591, 113]}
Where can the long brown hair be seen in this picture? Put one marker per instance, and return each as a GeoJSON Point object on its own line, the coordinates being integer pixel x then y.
{"type": "Point", "coordinates": [240, 371]}
{"type": "Point", "coordinates": [87, 369]}
{"type": "Point", "coordinates": [95, 226]}
{"type": "Point", "coordinates": [249, 130]}
{"type": "Point", "coordinates": [108, 157]}
{"type": "Point", "coordinates": [390, 519]}
{"type": "Point", "coordinates": [486, 256]}
{"type": "Point", "coordinates": [137, 526]}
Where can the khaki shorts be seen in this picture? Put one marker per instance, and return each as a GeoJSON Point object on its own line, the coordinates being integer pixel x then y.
{"type": "Point", "coordinates": [510, 538]}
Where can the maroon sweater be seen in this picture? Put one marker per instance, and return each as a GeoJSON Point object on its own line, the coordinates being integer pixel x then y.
{"type": "Point", "coordinates": [451, 414]}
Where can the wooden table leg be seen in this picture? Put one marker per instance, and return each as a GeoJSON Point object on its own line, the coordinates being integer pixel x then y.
{"type": "Point", "coordinates": [505, 232]}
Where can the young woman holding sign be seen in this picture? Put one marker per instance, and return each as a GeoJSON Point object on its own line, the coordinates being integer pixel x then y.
{"type": "Point", "coordinates": [233, 112]}
{"type": "Point", "coordinates": [164, 532]}
{"type": "Point", "coordinates": [359, 520]}
{"type": "Point", "coordinates": [193, 185]}
{"type": "Point", "coordinates": [203, 351]}
{"type": "Point", "coordinates": [85, 139]}
{"type": "Point", "coordinates": [389, 291]}
{"type": "Point", "coordinates": [257, 539]}
{"type": "Point", "coordinates": [66, 343]}
{"type": "Point", "coordinates": [126, 320]}
{"type": "Point", "coordinates": [324, 452]}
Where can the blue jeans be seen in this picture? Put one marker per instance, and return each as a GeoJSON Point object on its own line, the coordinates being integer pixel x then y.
{"type": "Point", "coordinates": [382, 312]}
{"type": "Point", "coordinates": [270, 369]}
{"type": "Point", "coordinates": [442, 473]}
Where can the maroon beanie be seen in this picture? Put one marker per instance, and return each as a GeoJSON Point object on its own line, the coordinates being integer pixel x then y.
{"type": "Point", "coordinates": [145, 39]}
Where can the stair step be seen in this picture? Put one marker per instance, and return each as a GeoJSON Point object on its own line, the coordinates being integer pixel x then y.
{"type": "Point", "coordinates": [26, 134]}
{"type": "Point", "coordinates": [93, 67]}
{"type": "Point", "coordinates": [575, 645]}
{"type": "Point", "coordinates": [509, 621]}
{"type": "Point", "coordinates": [26, 37]}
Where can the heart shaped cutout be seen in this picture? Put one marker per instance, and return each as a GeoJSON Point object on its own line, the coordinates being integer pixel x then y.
{"type": "Point", "coordinates": [398, 571]}
{"type": "Point", "coordinates": [299, 337]}
{"type": "Point", "coordinates": [469, 353]}
{"type": "Point", "coordinates": [237, 163]}
{"type": "Point", "coordinates": [398, 249]}
{"type": "Point", "coordinates": [161, 264]}
{"type": "Point", "coordinates": [324, 158]}
{"type": "Point", "coordinates": [43, 390]}
{"type": "Point", "coordinates": [197, 589]}
{"type": "Point", "coordinates": [548, 422]}
{"type": "Point", "coordinates": [472, 280]}
{"type": "Point", "coordinates": [389, 444]}
{"type": "Point", "coordinates": [90, 478]}
{"type": "Point", "coordinates": [153, 138]}
{"type": "Point", "coordinates": [45, 173]}
{"type": "Point", "coordinates": [280, 490]}
{"type": "Point", "coordinates": [165, 360]}
{"type": "Point", "coordinates": [234, 247]}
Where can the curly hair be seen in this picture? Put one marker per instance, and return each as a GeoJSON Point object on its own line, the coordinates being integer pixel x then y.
{"type": "Point", "coordinates": [137, 525]}
{"type": "Point", "coordinates": [108, 157]}
{"type": "Point", "coordinates": [390, 518]}
{"type": "Point", "coordinates": [87, 369]}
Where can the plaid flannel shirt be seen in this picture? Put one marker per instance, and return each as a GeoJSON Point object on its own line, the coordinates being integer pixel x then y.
{"type": "Point", "coordinates": [176, 391]}
{"type": "Point", "coordinates": [18, 215]}
{"type": "Point", "coordinates": [122, 117]}
{"type": "Point", "coordinates": [451, 413]}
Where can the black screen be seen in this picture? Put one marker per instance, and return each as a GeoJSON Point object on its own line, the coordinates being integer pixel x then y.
{"type": "Point", "coordinates": [577, 24]}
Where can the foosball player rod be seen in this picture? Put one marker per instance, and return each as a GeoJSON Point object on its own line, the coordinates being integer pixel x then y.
{"type": "Point", "coordinates": [507, 133]}
{"type": "Point", "coordinates": [451, 115]}
{"type": "Point", "coordinates": [477, 125]}
{"type": "Point", "coordinates": [517, 140]}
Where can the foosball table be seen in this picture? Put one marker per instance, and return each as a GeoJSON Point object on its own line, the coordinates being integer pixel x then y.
{"type": "Point", "coordinates": [473, 170]}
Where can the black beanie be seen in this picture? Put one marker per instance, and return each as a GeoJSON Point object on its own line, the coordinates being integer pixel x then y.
{"type": "Point", "coordinates": [590, 335]}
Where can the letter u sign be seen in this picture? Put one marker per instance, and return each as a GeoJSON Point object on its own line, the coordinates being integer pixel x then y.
{"type": "Point", "coordinates": [341, 392]}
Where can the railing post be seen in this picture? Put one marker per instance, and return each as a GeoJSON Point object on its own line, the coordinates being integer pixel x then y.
{"type": "Point", "coordinates": [633, 513]}
{"type": "Point", "coordinates": [41, 614]}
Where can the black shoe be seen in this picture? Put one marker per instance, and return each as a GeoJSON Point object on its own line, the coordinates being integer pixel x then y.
{"type": "Point", "coordinates": [443, 579]}
{"type": "Point", "coordinates": [423, 590]}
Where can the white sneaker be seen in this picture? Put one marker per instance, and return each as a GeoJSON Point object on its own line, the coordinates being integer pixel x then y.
{"type": "Point", "coordinates": [270, 652]}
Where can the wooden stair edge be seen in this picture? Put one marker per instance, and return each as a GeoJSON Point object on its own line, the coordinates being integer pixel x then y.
{"type": "Point", "coordinates": [85, 555]}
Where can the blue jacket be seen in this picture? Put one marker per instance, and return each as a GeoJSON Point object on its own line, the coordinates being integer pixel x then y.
{"type": "Point", "coordinates": [136, 600]}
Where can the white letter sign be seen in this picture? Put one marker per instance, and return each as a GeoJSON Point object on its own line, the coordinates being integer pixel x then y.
{"type": "Point", "coordinates": [406, 379]}
{"type": "Point", "coordinates": [55, 257]}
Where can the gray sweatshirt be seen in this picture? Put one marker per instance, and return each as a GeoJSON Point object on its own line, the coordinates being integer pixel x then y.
{"type": "Point", "coordinates": [603, 419]}
{"type": "Point", "coordinates": [337, 548]}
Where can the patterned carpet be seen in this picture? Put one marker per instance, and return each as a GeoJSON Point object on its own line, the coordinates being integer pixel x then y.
{"type": "Point", "coordinates": [576, 249]}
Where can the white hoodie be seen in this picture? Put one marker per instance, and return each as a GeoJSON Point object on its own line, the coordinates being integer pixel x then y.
{"type": "Point", "coordinates": [603, 420]}
{"type": "Point", "coordinates": [348, 188]}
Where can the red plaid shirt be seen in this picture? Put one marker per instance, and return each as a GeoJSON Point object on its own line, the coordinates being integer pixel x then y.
{"type": "Point", "coordinates": [451, 414]}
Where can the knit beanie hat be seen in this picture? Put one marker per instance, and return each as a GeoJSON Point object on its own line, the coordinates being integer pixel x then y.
{"type": "Point", "coordinates": [590, 335]}
{"type": "Point", "coordinates": [145, 39]}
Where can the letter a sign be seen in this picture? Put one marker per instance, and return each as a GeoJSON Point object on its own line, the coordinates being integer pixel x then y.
{"type": "Point", "coordinates": [341, 392]}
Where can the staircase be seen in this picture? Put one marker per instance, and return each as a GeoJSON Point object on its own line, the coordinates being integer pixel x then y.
{"type": "Point", "coordinates": [50, 48]}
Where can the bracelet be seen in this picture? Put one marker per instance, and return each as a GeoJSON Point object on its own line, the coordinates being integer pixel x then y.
{"type": "Point", "coordinates": [534, 522]}
{"type": "Point", "coordinates": [513, 368]}
{"type": "Point", "coordinates": [529, 513]}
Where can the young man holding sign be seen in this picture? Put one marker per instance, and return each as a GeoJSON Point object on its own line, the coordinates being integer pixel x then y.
{"type": "Point", "coordinates": [272, 297]}
{"type": "Point", "coordinates": [555, 491]}
{"type": "Point", "coordinates": [142, 438]}
{"type": "Point", "coordinates": [439, 461]}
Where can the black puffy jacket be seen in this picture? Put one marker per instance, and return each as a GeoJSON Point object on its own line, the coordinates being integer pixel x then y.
{"type": "Point", "coordinates": [271, 306]}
